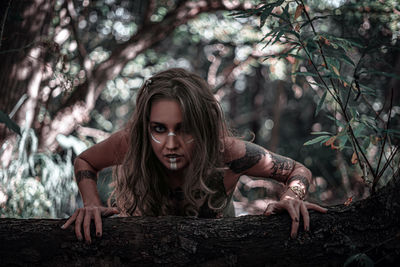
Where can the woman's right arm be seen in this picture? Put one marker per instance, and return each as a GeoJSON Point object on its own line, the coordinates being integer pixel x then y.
{"type": "Point", "coordinates": [86, 166]}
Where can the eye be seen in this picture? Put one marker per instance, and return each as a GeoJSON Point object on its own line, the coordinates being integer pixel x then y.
{"type": "Point", "coordinates": [159, 128]}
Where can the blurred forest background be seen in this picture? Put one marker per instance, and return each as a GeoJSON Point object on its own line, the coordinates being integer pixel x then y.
{"type": "Point", "coordinates": [70, 70]}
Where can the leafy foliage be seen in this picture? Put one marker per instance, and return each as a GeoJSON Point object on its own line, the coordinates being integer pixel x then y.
{"type": "Point", "coordinates": [36, 184]}
{"type": "Point", "coordinates": [326, 58]}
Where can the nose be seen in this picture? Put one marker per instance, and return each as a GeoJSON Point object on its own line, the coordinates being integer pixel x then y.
{"type": "Point", "coordinates": [172, 142]}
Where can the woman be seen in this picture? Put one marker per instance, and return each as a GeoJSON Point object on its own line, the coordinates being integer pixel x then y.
{"type": "Point", "coordinates": [177, 157]}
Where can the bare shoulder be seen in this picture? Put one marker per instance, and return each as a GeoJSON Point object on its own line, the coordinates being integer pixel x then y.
{"type": "Point", "coordinates": [110, 151]}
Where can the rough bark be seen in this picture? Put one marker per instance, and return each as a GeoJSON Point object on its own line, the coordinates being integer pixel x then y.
{"type": "Point", "coordinates": [369, 226]}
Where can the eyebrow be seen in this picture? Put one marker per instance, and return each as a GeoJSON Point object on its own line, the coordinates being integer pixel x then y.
{"type": "Point", "coordinates": [163, 124]}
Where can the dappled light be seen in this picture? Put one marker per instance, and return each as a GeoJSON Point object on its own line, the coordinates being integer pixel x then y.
{"type": "Point", "coordinates": [71, 75]}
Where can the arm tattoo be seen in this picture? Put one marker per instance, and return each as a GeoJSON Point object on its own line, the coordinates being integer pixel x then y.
{"type": "Point", "coordinates": [280, 165]}
{"type": "Point", "coordinates": [253, 155]}
{"type": "Point", "coordinates": [80, 175]}
{"type": "Point", "coordinates": [302, 179]}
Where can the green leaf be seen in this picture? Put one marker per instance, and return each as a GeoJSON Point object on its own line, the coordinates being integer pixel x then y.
{"type": "Point", "coordinates": [367, 90]}
{"type": "Point", "coordinates": [246, 13]}
{"type": "Point", "coordinates": [369, 122]}
{"type": "Point", "coordinates": [297, 56]}
{"type": "Point", "coordinates": [4, 118]}
{"type": "Point", "coordinates": [264, 15]}
{"type": "Point", "coordinates": [311, 46]}
{"type": "Point", "coordinates": [321, 133]}
{"type": "Point", "coordinates": [332, 62]}
{"type": "Point", "coordinates": [354, 43]}
{"type": "Point", "coordinates": [277, 37]}
{"type": "Point", "coordinates": [366, 142]}
{"type": "Point", "coordinates": [332, 74]}
{"type": "Point", "coordinates": [318, 84]}
{"type": "Point", "coordinates": [344, 43]}
{"type": "Point", "coordinates": [321, 138]}
{"type": "Point", "coordinates": [285, 12]}
{"type": "Point", "coordinates": [353, 112]}
{"type": "Point", "coordinates": [357, 131]}
{"type": "Point", "coordinates": [346, 59]}
{"type": "Point", "coordinates": [321, 101]}
{"type": "Point", "coordinates": [342, 140]}
{"type": "Point", "coordinates": [338, 122]}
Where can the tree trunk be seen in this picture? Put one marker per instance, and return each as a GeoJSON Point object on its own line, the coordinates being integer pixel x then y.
{"type": "Point", "coordinates": [22, 56]}
{"type": "Point", "coordinates": [369, 226]}
{"type": "Point", "coordinates": [24, 63]}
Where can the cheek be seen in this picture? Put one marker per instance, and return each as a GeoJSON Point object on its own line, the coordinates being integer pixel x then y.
{"type": "Point", "coordinates": [189, 149]}
{"type": "Point", "coordinates": [156, 149]}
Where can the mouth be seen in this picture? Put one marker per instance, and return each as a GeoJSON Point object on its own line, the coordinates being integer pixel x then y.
{"type": "Point", "coordinates": [173, 157]}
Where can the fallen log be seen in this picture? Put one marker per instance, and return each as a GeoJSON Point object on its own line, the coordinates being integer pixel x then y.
{"type": "Point", "coordinates": [369, 228]}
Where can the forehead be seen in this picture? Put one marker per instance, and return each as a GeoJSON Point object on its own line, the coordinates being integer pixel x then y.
{"type": "Point", "coordinates": [166, 111]}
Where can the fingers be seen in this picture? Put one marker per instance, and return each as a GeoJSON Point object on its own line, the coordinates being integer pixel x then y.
{"type": "Point", "coordinates": [294, 214]}
{"type": "Point", "coordinates": [70, 220]}
{"type": "Point", "coordinates": [312, 206]}
{"type": "Point", "coordinates": [82, 218]}
{"type": "Point", "coordinates": [295, 208]}
{"type": "Point", "coordinates": [98, 223]}
{"type": "Point", "coordinates": [78, 223]}
{"type": "Point", "coordinates": [86, 226]}
{"type": "Point", "coordinates": [270, 209]}
{"type": "Point", "coordinates": [306, 217]}
{"type": "Point", "coordinates": [110, 211]}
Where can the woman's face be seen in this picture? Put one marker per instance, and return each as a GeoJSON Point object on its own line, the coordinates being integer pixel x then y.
{"type": "Point", "coordinates": [171, 144]}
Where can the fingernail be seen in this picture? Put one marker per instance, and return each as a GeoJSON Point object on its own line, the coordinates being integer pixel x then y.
{"type": "Point", "coordinates": [88, 242]}
{"type": "Point", "coordinates": [63, 226]}
{"type": "Point", "coordinates": [307, 229]}
{"type": "Point", "coordinates": [80, 238]}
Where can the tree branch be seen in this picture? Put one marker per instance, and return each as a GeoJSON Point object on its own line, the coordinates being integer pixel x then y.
{"type": "Point", "coordinates": [148, 36]}
{"type": "Point", "coordinates": [82, 53]}
{"type": "Point", "coordinates": [151, 7]}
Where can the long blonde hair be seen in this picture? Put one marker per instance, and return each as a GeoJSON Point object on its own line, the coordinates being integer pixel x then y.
{"type": "Point", "coordinates": [140, 182]}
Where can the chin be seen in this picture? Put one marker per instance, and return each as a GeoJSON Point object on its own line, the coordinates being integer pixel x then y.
{"type": "Point", "coordinates": [175, 167]}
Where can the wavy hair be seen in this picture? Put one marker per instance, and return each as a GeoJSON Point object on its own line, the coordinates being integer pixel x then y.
{"type": "Point", "coordinates": [140, 182]}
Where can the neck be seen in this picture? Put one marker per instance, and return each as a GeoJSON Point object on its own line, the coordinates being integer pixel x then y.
{"type": "Point", "coordinates": [176, 178]}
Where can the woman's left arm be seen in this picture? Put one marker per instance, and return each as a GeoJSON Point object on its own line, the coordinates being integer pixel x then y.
{"type": "Point", "coordinates": [245, 158]}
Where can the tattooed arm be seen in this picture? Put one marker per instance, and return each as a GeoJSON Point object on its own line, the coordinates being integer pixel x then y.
{"type": "Point", "coordinates": [251, 159]}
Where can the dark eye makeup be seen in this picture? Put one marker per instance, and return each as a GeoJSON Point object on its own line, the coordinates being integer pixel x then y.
{"type": "Point", "coordinates": [161, 128]}
{"type": "Point", "coordinates": [158, 128]}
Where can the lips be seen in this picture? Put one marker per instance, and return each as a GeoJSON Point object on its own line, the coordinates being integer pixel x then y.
{"type": "Point", "coordinates": [173, 157]}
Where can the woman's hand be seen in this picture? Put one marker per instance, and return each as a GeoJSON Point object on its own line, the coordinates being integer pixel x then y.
{"type": "Point", "coordinates": [84, 216]}
{"type": "Point", "coordinates": [295, 207]}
